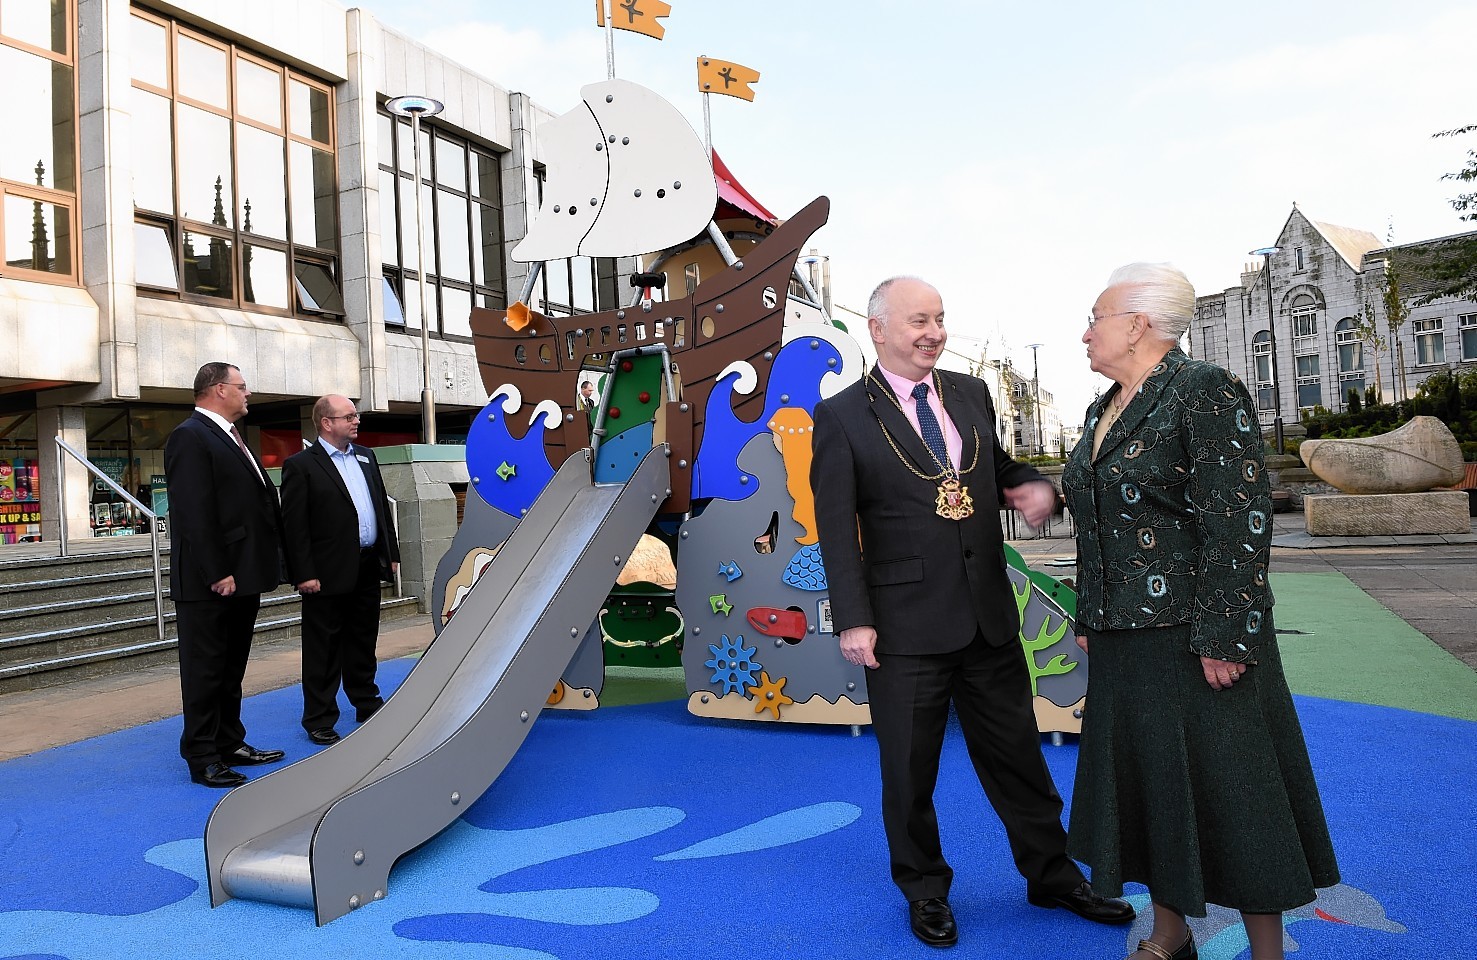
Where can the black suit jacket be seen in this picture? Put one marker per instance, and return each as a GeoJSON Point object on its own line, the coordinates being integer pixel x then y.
{"type": "Point", "coordinates": [321, 525]}
{"type": "Point", "coordinates": [926, 583]}
{"type": "Point", "coordinates": [224, 518]}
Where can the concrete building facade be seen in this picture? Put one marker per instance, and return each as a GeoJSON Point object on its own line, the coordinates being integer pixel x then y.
{"type": "Point", "coordinates": [1324, 279]}
{"type": "Point", "coordinates": [203, 180]}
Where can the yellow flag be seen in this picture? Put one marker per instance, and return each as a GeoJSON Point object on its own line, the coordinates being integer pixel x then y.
{"type": "Point", "coordinates": [729, 79]}
{"type": "Point", "coordinates": [638, 16]}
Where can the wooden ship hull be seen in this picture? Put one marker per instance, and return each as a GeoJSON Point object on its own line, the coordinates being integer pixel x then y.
{"type": "Point", "coordinates": [737, 315]}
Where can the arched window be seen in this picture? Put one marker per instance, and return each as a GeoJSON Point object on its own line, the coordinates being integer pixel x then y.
{"type": "Point", "coordinates": [1261, 354]}
{"type": "Point", "coordinates": [1351, 357]}
{"type": "Point", "coordinates": [1304, 311]}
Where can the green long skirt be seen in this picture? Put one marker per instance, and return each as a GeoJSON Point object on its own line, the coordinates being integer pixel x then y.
{"type": "Point", "coordinates": [1200, 795]}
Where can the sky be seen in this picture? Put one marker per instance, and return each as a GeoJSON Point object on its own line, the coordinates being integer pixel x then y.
{"type": "Point", "coordinates": [1014, 154]}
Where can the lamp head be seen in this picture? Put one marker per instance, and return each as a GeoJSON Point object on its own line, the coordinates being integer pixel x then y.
{"type": "Point", "coordinates": [415, 106]}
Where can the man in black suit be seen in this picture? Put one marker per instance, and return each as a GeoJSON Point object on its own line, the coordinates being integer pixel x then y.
{"type": "Point", "coordinates": [340, 546]}
{"type": "Point", "coordinates": [225, 551]}
{"type": "Point", "coordinates": [909, 454]}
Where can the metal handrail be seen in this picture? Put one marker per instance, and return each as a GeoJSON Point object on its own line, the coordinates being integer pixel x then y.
{"type": "Point", "coordinates": [61, 487]}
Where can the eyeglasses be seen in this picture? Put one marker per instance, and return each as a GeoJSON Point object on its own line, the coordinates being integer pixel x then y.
{"type": "Point", "coordinates": [1093, 321]}
{"type": "Point", "coordinates": [229, 383]}
{"type": "Point", "coordinates": [350, 417]}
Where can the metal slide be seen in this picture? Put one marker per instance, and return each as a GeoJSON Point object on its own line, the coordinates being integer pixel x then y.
{"type": "Point", "coordinates": [324, 832]}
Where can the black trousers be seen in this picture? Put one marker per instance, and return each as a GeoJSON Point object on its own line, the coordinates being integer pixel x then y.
{"type": "Point", "coordinates": [339, 635]}
{"type": "Point", "coordinates": [991, 690]}
{"type": "Point", "coordinates": [214, 642]}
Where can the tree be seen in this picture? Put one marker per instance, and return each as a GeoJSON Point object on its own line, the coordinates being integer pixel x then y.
{"type": "Point", "coordinates": [1351, 401]}
{"type": "Point", "coordinates": [1397, 311]}
{"type": "Point", "coordinates": [1451, 265]}
{"type": "Point", "coordinates": [1367, 326]}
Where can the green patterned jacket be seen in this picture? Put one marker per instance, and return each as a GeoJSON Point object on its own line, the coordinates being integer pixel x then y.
{"type": "Point", "coordinates": [1174, 516]}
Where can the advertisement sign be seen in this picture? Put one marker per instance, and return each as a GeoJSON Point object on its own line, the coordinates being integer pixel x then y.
{"type": "Point", "coordinates": [20, 501]}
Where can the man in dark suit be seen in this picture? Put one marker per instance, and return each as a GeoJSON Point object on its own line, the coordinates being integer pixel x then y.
{"type": "Point", "coordinates": [225, 551]}
{"type": "Point", "coordinates": [340, 546]}
{"type": "Point", "coordinates": [909, 455]}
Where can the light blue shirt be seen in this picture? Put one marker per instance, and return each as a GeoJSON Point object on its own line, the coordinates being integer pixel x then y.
{"type": "Point", "coordinates": [348, 467]}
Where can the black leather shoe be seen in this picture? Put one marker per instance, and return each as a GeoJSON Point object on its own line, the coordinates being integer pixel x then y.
{"type": "Point", "coordinates": [323, 735]}
{"type": "Point", "coordinates": [1185, 952]}
{"type": "Point", "coordinates": [246, 755]}
{"type": "Point", "coordinates": [933, 922]}
{"type": "Point", "coordinates": [1082, 901]}
{"type": "Point", "coordinates": [217, 775]}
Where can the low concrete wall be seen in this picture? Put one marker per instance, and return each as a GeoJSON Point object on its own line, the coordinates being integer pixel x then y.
{"type": "Point", "coordinates": [419, 477]}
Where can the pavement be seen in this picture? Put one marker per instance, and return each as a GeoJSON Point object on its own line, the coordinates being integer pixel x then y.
{"type": "Point", "coordinates": [1429, 582]}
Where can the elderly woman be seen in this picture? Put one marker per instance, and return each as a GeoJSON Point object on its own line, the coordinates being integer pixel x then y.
{"type": "Point", "coordinates": [1192, 777]}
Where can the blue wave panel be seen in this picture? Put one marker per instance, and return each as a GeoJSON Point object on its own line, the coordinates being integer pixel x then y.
{"type": "Point", "coordinates": [794, 381]}
{"type": "Point", "coordinates": [490, 446]}
{"type": "Point", "coordinates": [619, 455]}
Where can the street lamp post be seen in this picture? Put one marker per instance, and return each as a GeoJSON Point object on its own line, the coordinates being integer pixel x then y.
{"type": "Point", "coordinates": [1266, 254]}
{"type": "Point", "coordinates": [1036, 397]}
{"type": "Point", "coordinates": [415, 108]}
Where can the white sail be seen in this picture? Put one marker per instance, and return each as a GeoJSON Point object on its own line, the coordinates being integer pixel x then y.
{"type": "Point", "coordinates": [626, 175]}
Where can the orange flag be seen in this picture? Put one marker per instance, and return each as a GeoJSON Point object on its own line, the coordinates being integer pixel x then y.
{"type": "Point", "coordinates": [729, 79]}
{"type": "Point", "coordinates": [638, 16]}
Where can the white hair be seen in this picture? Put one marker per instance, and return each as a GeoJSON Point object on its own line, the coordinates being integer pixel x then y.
{"type": "Point", "coordinates": [877, 302]}
{"type": "Point", "coordinates": [1161, 292]}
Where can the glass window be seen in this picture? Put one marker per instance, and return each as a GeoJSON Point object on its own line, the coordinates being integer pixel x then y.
{"type": "Point", "coordinates": [38, 147]}
{"type": "Point", "coordinates": [1261, 353]}
{"type": "Point", "coordinates": [45, 242]}
{"type": "Point", "coordinates": [314, 198]}
{"type": "Point", "coordinates": [153, 156]}
{"type": "Point", "coordinates": [487, 236]}
{"type": "Point", "coordinates": [462, 228]}
{"type": "Point", "coordinates": [231, 166]}
{"type": "Point", "coordinates": [1430, 342]}
{"type": "Point", "coordinates": [454, 254]}
{"type": "Point", "coordinates": [451, 164]}
{"type": "Point", "coordinates": [153, 257]}
{"type": "Point", "coordinates": [309, 112]}
{"type": "Point", "coordinates": [456, 312]}
{"type": "Point", "coordinates": [203, 75]}
{"type": "Point", "coordinates": [1350, 346]}
{"type": "Point", "coordinates": [208, 267]}
{"type": "Point", "coordinates": [486, 184]}
{"type": "Point", "coordinates": [1467, 324]}
{"type": "Point", "coordinates": [582, 283]}
{"type": "Point", "coordinates": [41, 23]}
{"type": "Point", "coordinates": [150, 53]}
{"type": "Point", "coordinates": [263, 193]}
{"type": "Point", "coordinates": [205, 166]}
{"type": "Point", "coordinates": [259, 92]}
{"type": "Point", "coordinates": [389, 232]}
{"type": "Point", "coordinates": [386, 125]}
{"type": "Point", "coordinates": [317, 290]}
{"type": "Point", "coordinates": [264, 276]}
{"type": "Point", "coordinates": [394, 313]}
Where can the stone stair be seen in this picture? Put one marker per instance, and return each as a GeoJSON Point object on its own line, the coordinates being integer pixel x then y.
{"type": "Point", "coordinates": [92, 614]}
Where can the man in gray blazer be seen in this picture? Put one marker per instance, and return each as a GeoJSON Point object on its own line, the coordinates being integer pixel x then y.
{"type": "Point", "coordinates": [340, 546]}
{"type": "Point", "coordinates": [909, 457]}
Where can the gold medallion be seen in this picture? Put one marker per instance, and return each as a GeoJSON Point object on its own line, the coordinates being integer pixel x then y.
{"type": "Point", "coordinates": [954, 502]}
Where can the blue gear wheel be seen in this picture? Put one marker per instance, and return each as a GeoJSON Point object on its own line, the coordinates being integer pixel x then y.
{"type": "Point", "coordinates": [805, 569]}
{"type": "Point", "coordinates": [733, 664]}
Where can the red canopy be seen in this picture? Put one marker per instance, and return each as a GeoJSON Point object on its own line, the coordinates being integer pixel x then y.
{"type": "Point", "coordinates": [733, 199]}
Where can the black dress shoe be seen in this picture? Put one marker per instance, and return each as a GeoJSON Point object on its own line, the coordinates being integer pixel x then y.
{"type": "Point", "coordinates": [246, 755]}
{"type": "Point", "coordinates": [217, 775]}
{"type": "Point", "coordinates": [1082, 901]}
{"type": "Point", "coordinates": [323, 735]}
{"type": "Point", "coordinates": [933, 922]}
{"type": "Point", "coordinates": [364, 715]}
{"type": "Point", "coordinates": [1185, 952]}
